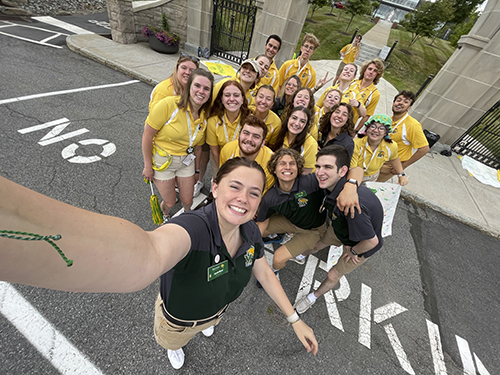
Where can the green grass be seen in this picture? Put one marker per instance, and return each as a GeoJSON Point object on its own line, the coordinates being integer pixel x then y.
{"type": "Point", "coordinates": [405, 71]}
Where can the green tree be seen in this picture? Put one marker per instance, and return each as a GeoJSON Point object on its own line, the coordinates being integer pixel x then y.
{"type": "Point", "coordinates": [357, 8]}
{"type": "Point", "coordinates": [427, 18]}
{"type": "Point", "coordinates": [463, 29]}
{"type": "Point", "coordinates": [316, 4]}
{"type": "Point", "coordinates": [375, 6]}
{"type": "Point", "coordinates": [464, 9]}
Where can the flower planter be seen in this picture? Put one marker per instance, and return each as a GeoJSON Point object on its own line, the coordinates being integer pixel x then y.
{"type": "Point", "coordinates": [158, 46]}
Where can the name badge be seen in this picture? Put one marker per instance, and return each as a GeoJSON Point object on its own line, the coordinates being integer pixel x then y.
{"type": "Point", "coordinates": [188, 159]}
{"type": "Point", "coordinates": [217, 271]}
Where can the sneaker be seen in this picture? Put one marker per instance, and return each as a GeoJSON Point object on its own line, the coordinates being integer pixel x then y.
{"type": "Point", "coordinates": [176, 358]}
{"type": "Point", "coordinates": [300, 259]}
{"type": "Point", "coordinates": [166, 217]}
{"type": "Point", "coordinates": [197, 188]}
{"type": "Point", "coordinates": [209, 331]}
{"type": "Point", "coordinates": [303, 305]}
{"type": "Point", "coordinates": [277, 238]}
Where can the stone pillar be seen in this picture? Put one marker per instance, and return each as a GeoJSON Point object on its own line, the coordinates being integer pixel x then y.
{"type": "Point", "coordinates": [468, 84]}
{"type": "Point", "coordinates": [199, 25]}
{"type": "Point", "coordinates": [284, 18]}
{"type": "Point", "coordinates": [121, 20]}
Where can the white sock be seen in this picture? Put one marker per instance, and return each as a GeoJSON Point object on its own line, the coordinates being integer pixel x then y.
{"type": "Point", "coordinates": [312, 297]}
{"type": "Point", "coordinates": [300, 257]}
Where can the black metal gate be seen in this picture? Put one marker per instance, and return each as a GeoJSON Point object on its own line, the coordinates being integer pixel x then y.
{"type": "Point", "coordinates": [232, 29]}
{"type": "Point", "coordinates": [482, 141]}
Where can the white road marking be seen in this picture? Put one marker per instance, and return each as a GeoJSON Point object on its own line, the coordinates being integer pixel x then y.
{"type": "Point", "coordinates": [480, 367]}
{"type": "Point", "coordinates": [365, 309]}
{"type": "Point", "coordinates": [69, 152]}
{"type": "Point", "coordinates": [31, 40]}
{"type": "Point", "coordinates": [53, 93]}
{"type": "Point", "coordinates": [331, 307]}
{"type": "Point", "coordinates": [63, 25]}
{"type": "Point", "coordinates": [398, 349]}
{"type": "Point", "coordinates": [465, 356]}
{"type": "Point", "coordinates": [387, 311]}
{"type": "Point", "coordinates": [307, 277]}
{"type": "Point", "coordinates": [436, 348]}
{"type": "Point", "coordinates": [51, 344]}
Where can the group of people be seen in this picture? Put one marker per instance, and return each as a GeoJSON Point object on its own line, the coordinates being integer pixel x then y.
{"type": "Point", "coordinates": [291, 156]}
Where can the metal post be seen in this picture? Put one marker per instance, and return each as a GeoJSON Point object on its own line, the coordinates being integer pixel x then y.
{"type": "Point", "coordinates": [431, 76]}
{"type": "Point", "coordinates": [231, 25]}
{"type": "Point", "coordinates": [354, 35]}
{"type": "Point", "coordinates": [389, 54]}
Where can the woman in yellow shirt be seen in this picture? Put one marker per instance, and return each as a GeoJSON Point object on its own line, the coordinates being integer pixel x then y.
{"type": "Point", "coordinates": [174, 85]}
{"type": "Point", "coordinates": [295, 134]}
{"type": "Point", "coordinates": [264, 100]}
{"type": "Point", "coordinates": [332, 97]}
{"type": "Point", "coordinates": [373, 147]}
{"type": "Point", "coordinates": [229, 110]}
{"type": "Point", "coordinates": [171, 142]}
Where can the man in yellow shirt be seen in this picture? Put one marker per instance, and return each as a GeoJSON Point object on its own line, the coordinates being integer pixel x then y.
{"type": "Point", "coordinates": [407, 133]}
{"type": "Point", "coordinates": [301, 66]}
{"type": "Point", "coordinates": [250, 144]}
{"type": "Point", "coordinates": [349, 53]}
{"type": "Point", "coordinates": [272, 78]}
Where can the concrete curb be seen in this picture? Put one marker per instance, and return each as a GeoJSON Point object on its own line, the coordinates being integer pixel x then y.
{"type": "Point", "coordinates": [423, 202]}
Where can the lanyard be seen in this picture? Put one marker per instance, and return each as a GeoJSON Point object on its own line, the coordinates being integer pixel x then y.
{"type": "Point", "coordinates": [399, 122]}
{"type": "Point", "coordinates": [225, 129]}
{"type": "Point", "coordinates": [300, 69]}
{"type": "Point", "coordinates": [191, 138]}
{"type": "Point", "coordinates": [365, 167]}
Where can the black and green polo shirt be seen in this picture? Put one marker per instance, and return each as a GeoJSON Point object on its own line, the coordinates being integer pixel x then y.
{"type": "Point", "coordinates": [300, 206]}
{"type": "Point", "coordinates": [194, 289]}
{"type": "Point", "coordinates": [364, 226]}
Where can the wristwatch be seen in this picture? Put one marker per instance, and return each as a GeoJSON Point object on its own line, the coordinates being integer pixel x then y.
{"type": "Point", "coordinates": [401, 174]}
{"type": "Point", "coordinates": [353, 181]}
{"type": "Point", "coordinates": [353, 252]}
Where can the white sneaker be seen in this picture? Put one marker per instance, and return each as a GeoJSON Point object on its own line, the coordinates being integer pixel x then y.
{"type": "Point", "coordinates": [300, 259]}
{"type": "Point", "coordinates": [303, 305]}
{"type": "Point", "coordinates": [209, 331]}
{"type": "Point", "coordinates": [176, 358]}
{"type": "Point", "coordinates": [197, 188]}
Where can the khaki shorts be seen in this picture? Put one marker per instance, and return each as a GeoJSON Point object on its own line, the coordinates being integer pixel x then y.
{"type": "Point", "coordinates": [172, 336]}
{"type": "Point", "coordinates": [344, 268]}
{"type": "Point", "coordinates": [329, 238]}
{"type": "Point", "coordinates": [302, 240]}
{"type": "Point", "coordinates": [371, 178]}
{"type": "Point", "coordinates": [175, 169]}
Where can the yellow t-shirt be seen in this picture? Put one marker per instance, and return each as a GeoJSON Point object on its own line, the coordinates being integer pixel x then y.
{"type": "Point", "coordinates": [220, 132]}
{"type": "Point", "coordinates": [162, 90]}
{"type": "Point", "coordinates": [273, 124]}
{"type": "Point", "coordinates": [350, 53]}
{"type": "Point", "coordinates": [272, 78]}
{"type": "Point", "coordinates": [315, 123]}
{"type": "Point", "coordinates": [174, 135]}
{"type": "Point", "coordinates": [308, 150]}
{"type": "Point", "coordinates": [349, 93]}
{"type": "Point", "coordinates": [369, 98]}
{"type": "Point", "coordinates": [370, 161]}
{"type": "Point", "coordinates": [232, 150]}
{"type": "Point", "coordinates": [307, 74]}
{"type": "Point", "coordinates": [409, 135]}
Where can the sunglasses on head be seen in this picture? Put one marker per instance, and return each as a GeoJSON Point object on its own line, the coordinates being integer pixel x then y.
{"type": "Point", "coordinates": [192, 58]}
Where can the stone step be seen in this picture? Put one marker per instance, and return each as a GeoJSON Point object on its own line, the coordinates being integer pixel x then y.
{"type": "Point", "coordinates": [368, 53]}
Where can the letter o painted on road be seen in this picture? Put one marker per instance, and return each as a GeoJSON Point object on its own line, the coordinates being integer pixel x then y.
{"type": "Point", "coordinates": [69, 152]}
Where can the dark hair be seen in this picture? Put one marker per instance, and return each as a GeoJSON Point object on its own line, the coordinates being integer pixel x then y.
{"type": "Point", "coordinates": [275, 37]}
{"type": "Point", "coordinates": [407, 94]}
{"type": "Point", "coordinates": [359, 36]}
{"type": "Point", "coordinates": [218, 108]}
{"type": "Point", "coordinates": [300, 138]}
{"type": "Point", "coordinates": [234, 163]}
{"type": "Point", "coordinates": [273, 162]}
{"type": "Point", "coordinates": [267, 87]}
{"type": "Point", "coordinates": [340, 152]}
{"type": "Point", "coordinates": [186, 94]}
{"type": "Point", "coordinates": [386, 137]}
{"type": "Point", "coordinates": [287, 111]}
{"type": "Point", "coordinates": [329, 91]}
{"type": "Point", "coordinates": [380, 69]}
{"type": "Point", "coordinates": [177, 85]}
{"type": "Point", "coordinates": [325, 124]}
{"type": "Point", "coordinates": [252, 120]}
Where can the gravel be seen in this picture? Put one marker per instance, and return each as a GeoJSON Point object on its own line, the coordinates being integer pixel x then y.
{"type": "Point", "coordinates": [62, 7]}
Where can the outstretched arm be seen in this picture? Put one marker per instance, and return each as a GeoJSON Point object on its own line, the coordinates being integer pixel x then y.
{"type": "Point", "coordinates": [273, 288]}
{"type": "Point", "coordinates": [110, 254]}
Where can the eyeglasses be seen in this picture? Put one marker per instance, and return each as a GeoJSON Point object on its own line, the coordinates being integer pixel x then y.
{"type": "Point", "coordinates": [308, 47]}
{"type": "Point", "coordinates": [192, 58]}
{"type": "Point", "coordinates": [380, 128]}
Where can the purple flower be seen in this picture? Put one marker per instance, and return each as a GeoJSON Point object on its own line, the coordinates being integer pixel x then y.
{"type": "Point", "coordinates": [163, 36]}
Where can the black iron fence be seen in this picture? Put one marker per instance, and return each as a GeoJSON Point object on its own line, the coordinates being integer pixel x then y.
{"type": "Point", "coordinates": [482, 141]}
{"type": "Point", "coordinates": [232, 29]}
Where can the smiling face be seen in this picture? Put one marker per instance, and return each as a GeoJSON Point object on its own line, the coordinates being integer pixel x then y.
{"type": "Point", "coordinates": [247, 74]}
{"type": "Point", "coordinates": [302, 98]}
{"type": "Point", "coordinates": [238, 195]}
{"type": "Point", "coordinates": [286, 169]}
{"type": "Point", "coordinates": [232, 99]}
{"type": "Point", "coordinates": [200, 91]}
{"type": "Point", "coordinates": [376, 131]}
{"type": "Point", "coordinates": [291, 86]}
{"type": "Point", "coordinates": [264, 65]}
{"type": "Point", "coordinates": [401, 105]}
{"type": "Point", "coordinates": [333, 97]}
{"type": "Point", "coordinates": [297, 122]}
{"type": "Point", "coordinates": [184, 70]}
{"type": "Point", "coordinates": [272, 48]}
{"type": "Point", "coordinates": [264, 100]}
{"type": "Point", "coordinates": [250, 140]}
{"type": "Point", "coordinates": [327, 172]}
{"type": "Point", "coordinates": [339, 117]}
{"type": "Point", "coordinates": [348, 73]}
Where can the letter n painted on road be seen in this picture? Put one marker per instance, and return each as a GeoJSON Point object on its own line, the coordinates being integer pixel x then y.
{"type": "Point", "coordinates": [53, 135]}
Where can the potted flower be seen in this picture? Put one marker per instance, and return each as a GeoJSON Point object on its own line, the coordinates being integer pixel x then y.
{"type": "Point", "coordinates": [161, 39]}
